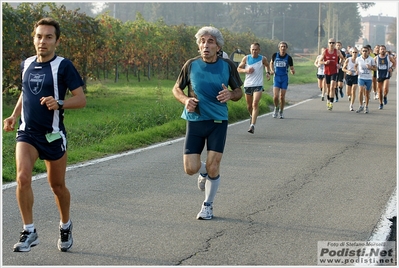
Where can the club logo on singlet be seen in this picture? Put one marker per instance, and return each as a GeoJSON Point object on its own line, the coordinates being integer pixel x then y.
{"type": "Point", "coordinates": [36, 82]}
{"type": "Point", "coordinates": [382, 65]}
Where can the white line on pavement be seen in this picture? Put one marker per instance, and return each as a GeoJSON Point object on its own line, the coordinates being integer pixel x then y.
{"type": "Point", "coordinates": [382, 229]}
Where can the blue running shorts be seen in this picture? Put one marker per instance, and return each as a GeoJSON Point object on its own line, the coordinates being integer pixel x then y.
{"type": "Point", "coordinates": [280, 81]}
{"type": "Point", "coordinates": [365, 83]}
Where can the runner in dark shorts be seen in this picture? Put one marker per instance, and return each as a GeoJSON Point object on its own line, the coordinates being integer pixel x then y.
{"type": "Point", "coordinates": [47, 150]}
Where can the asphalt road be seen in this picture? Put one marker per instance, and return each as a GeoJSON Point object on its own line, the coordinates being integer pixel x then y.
{"type": "Point", "coordinates": [316, 175]}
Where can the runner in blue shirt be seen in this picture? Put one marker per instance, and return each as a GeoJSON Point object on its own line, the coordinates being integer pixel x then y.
{"type": "Point", "coordinates": [205, 109]}
{"type": "Point", "coordinates": [280, 63]}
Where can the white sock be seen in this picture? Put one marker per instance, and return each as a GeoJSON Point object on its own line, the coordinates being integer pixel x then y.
{"type": "Point", "coordinates": [29, 227]}
{"type": "Point", "coordinates": [211, 188]}
{"type": "Point", "coordinates": [202, 169]}
{"type": "Point", "coordinates": [65, 225]}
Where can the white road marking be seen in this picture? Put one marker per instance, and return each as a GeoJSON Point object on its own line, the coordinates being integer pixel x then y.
{"type": "Point", "coordinates": [382, 229]}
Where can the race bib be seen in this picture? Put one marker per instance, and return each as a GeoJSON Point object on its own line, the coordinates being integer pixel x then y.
{"type": "Point", "coordinates": [53, 136]}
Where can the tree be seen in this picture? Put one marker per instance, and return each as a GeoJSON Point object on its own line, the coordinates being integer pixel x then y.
{"type": "Point", "coordinates": [366, 5]}
{"type": "Point", "coordinates": [17, 38]}
{"type": "Point", "coordinates": [294, 22]}
{"type": "Point", "coordinates": [392, 30]}
{"type": "Point", "coordinates": [78, 35]}
{"type": "Point", "coordinates": [82, 7]}
{"type": "Point", "coordinates": [78, 38]}
{"type": "Point", "coordinates": [112, 30]}
{"type": "Point", "coordinates": [164, 42]}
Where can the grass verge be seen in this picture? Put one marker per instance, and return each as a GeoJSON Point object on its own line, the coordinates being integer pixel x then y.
{"type": "Point", "coordinates": [124, 116]}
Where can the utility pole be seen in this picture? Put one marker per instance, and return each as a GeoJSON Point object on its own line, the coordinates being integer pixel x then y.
{"type": "Point", "coordinates": [337, 25]}
{"type": "Point", "coordinates": [319, 30]}
{"type": "Point", "coordinates": [283, 26]}
{"type": "Point", "coordinates": [329, 21]}
{"type": "Point", "coordinates": [333, 24]}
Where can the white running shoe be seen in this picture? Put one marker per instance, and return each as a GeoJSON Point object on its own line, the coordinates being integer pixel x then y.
{"type": "Point", "coordinates": [275, 113]}
{"type": "Point", "coordinates": [251, 129]}
{"type": "Point", "coordinates": [65, 241]}
{"type": "Point", "coordinates": [201, 182]}
{"type": "Point", "coordinates": [360, 109]}
{"type": "Point", "coordinates": [26, 241]}
{"type": "Point", "coordinates": [206, 212]}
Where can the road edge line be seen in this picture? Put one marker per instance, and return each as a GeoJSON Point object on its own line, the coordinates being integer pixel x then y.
{"type": "Point", "coordinates": [383, 228]}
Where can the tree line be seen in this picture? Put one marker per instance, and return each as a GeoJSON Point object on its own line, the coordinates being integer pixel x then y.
{"type": "Point", "coordinates": [141, 40]}
{"type": "Point", "coordinates": [293, 22]}
{"type": "Point", "coordinates": [104, 47]}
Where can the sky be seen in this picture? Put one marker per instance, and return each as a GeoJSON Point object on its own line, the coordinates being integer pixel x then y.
{"type": "Point", "coordinates": [381, 7]}
{"type": "Point", "coordinates": [384, 8]}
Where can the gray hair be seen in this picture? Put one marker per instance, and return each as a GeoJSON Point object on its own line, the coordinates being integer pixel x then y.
{"type": "Point", "coordinates": [211, 31]}
{"type": "Point", "coordinates": [282, 43]}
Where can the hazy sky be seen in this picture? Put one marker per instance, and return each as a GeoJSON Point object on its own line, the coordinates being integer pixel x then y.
{"type": "Point", "coordinates": [384, 8]}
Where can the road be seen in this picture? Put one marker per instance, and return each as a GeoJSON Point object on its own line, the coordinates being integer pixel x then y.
{"type": "Point", "coordinates": [316, 175]}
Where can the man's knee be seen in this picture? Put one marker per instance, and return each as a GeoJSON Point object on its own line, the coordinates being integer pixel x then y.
{"type": "Point", "coordinates": [24, 180]}
{"type": "Point", "coordinates": [213, 169]}
{"type": "Point", "coordinates": [190, 169]}
{"type": "Point", "coordinates": [58, 188]}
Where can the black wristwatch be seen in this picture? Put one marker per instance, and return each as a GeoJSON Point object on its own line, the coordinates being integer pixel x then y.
{"type": "Point", "coordinates": [60, 104]}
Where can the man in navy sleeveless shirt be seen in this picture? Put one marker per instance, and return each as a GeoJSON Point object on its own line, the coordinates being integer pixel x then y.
{"type": "Point", "coordinates": [385, 65]}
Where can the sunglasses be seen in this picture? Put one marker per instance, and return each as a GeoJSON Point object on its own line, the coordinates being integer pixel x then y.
{"type": "Point", "coordinates": [365, 51]}
{"type": "Point", "coordinates": [331, 42]}
{"type": "Point", "coordinates": [354, 52]}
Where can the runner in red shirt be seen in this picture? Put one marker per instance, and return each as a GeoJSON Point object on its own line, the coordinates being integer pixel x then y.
{"type": "Point", "coordinates": [331, 58]}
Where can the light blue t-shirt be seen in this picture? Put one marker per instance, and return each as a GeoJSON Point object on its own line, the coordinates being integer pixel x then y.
{"type": "Point", "coordinates": [204, 81]}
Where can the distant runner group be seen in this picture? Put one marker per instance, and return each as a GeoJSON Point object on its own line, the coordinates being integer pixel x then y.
{"type": "Point", "coordinates": [369, 69]}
